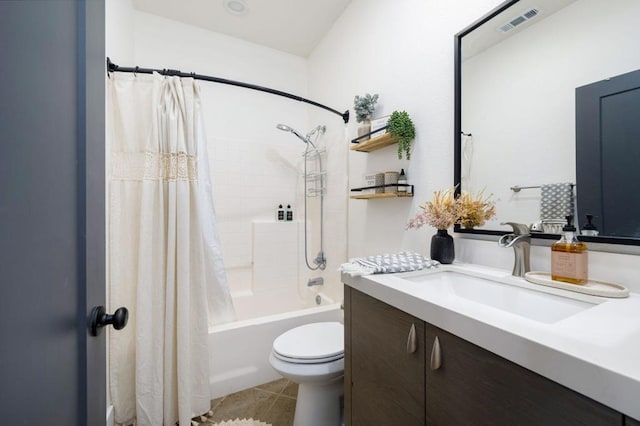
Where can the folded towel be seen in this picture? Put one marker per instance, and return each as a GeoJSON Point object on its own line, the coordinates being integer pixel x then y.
{"type": "Point", "coordinates": [556, 200]}
{"type": "Point", "coordinates": [387, 263]}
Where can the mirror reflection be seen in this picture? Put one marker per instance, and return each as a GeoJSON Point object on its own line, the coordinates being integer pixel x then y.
{"type": "Point", "coordinates": [520, 73]}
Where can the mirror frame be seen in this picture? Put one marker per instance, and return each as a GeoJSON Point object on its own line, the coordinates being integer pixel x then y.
{"type": "Point", "coordinates": [457, 140]}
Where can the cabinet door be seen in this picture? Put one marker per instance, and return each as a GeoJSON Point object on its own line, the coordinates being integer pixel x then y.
{"type": "Point", "coordinates": [475, 386]}
{"type": "Point", "coordinates": [385, 371]}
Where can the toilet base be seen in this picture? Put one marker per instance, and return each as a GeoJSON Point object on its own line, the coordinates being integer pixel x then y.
{"type": "Point", "coordinates": [319, 404]}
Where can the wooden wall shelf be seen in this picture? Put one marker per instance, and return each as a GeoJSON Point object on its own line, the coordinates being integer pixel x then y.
{"type": "Point", "coordinates": [376, 143]}
{"type": "Point", "coordinates": [381, 195]}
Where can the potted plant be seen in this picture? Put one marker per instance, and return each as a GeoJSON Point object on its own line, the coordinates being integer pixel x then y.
{"type": "Point", "coordinates": [400, 126]}
{"type": "Point", "coordinates": [364, 107]}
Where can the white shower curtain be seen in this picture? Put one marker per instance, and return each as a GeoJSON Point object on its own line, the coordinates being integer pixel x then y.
{"type": "Point", "coordinates": [165, 263]}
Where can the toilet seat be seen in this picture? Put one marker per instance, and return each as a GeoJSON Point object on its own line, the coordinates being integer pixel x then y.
{"type": "Point", "coordinates": [314, 343]}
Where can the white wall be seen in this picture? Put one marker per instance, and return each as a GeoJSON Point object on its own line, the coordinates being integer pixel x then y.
{"type": "Point", "coordinates": [403, 50]}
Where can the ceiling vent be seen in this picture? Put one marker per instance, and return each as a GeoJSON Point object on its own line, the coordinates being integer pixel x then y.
{"type": "Point", "coordinates": [518, 20]}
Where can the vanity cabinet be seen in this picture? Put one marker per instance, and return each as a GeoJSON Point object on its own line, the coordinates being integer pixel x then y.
{"type": "Point", "coordinates": [384, 364]}
{"type": "Point", "coordinates": [448, 382]}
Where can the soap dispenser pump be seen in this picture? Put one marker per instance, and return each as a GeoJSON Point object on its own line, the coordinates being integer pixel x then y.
{"type": "Point", "coordinates": [569, 261]}
{"type": "Point", "coordinates": [589, 229]}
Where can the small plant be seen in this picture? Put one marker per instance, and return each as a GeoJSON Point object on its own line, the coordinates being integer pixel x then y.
{"type": "Point", "coordinates": [400, 126]}
{"type": "Point", "coordinates": [364, 106]}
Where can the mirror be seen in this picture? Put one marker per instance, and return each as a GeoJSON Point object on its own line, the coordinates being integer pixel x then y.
{"type": "Point", "coordinates": [516, 74]}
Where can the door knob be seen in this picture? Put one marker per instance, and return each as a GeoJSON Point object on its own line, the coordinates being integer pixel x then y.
{"type": "Point", "coordinates": [99, 318]}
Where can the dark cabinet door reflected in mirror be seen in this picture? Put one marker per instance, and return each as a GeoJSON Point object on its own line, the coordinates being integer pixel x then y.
{"type": "Point", "coordinates": [517, 132]}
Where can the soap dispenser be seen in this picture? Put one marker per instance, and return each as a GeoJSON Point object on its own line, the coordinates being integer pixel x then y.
{"type": "Point", "coordinates": [288, 213]}
{"type": "Point", "coordinates": [589, 229]}
{"type": "Point", "coordinates": [569, 260]}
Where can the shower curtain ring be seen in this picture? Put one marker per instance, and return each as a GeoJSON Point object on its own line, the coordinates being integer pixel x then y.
{"type": "Point", "coordinates": [135, 71]}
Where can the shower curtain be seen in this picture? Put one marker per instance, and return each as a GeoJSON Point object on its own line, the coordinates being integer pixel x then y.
{"type": "Point", "coordinates": [164, 255]}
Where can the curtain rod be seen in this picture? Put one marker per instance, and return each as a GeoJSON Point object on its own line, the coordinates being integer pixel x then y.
{"type": "Point", "coordinates": [111, 67]}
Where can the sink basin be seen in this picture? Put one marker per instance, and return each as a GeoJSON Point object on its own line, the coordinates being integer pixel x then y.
{"type": "Point", "coordinates": [535, 305]}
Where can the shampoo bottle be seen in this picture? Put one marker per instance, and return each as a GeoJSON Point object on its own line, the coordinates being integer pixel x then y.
{"type": "Point", "coordinates": [569, 261]}
{"type": "Point", "coordinates": [280, 215]}
{"type": "Point", "coordinates": [289, 213]}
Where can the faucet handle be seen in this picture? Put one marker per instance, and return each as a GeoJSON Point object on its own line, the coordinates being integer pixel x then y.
{"type": "Point", "coordinates": [518, 228]}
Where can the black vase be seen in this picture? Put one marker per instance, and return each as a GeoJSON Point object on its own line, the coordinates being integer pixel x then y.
{"type": "Point", "coordinates": [442, 247]}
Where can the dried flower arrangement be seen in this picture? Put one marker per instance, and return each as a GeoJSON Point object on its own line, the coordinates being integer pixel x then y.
{"type": "Point", "coordinates": [441, 212]}
{"type": "Point", "coordinates": [445, 209]}
{"type": "Point", "coordinates": [474, 210]}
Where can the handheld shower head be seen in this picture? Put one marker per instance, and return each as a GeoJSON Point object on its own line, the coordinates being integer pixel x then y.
{"type": "Point", "coordinates": [286, 128]}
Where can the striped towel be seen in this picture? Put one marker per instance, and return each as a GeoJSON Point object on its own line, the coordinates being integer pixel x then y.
{"type": "Point", "coordinates": [556, 200]}
{"type": "Point", "coordinates": [388, 263]}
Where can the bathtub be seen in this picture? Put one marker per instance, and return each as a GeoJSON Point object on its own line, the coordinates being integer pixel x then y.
{"type": "Point", "coordinates": [239, 351]}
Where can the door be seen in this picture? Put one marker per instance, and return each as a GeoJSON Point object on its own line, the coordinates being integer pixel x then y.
{"type": "Point", "coordinates": [472, 386]}
{"type": "Point", "coordinates": [608, 152]}
{"type": "Point", "coordinates": [51, 212]}
{"type": "Point", "coordinates": [386, 364]}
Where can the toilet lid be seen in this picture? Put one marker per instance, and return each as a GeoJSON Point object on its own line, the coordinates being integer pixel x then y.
{"type": "Point", "coordinates": [316, 341]}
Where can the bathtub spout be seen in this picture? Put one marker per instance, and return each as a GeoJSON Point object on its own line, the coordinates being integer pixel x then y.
{"type": "Point", "coordinates": [315, 281]}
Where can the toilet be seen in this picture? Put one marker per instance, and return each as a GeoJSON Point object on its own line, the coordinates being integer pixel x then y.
{"type": "Point", "coordinates": [312, 356]}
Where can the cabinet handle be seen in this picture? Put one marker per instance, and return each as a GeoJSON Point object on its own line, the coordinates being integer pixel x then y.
{"type": "Point", "coordinates": [436, 356]}
{"type": "Point", "coordinates": [412, 346]}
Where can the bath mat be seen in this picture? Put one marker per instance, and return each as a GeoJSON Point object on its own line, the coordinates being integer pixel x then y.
{"type": "Point", "coordinates": [243, 422]}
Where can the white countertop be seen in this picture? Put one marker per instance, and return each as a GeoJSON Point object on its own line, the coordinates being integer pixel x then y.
{"type": "Point", "coordinates": [595, 352]}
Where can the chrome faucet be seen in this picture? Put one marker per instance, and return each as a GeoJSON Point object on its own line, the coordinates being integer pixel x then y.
{"type": "Point", "coordinates": [520, 240]}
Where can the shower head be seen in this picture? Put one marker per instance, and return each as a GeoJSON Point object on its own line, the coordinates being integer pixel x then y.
{"type": "Point", "coordinates": [286, 128]}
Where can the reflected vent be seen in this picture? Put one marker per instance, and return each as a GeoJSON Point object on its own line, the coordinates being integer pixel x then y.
{"type": "Point", "coordinates": [518, 20]}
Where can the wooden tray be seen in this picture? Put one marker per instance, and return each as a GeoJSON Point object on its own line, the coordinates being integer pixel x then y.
{"type": "Point", "coordinates": [592, 287]}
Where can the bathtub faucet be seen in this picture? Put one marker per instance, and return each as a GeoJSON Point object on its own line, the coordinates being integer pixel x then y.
{"type": "Point", "coordinates": [315, 281]}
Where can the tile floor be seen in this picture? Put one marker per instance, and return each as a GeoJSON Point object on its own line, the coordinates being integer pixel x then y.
{"type": "Point", "coordinates": [273, 402]}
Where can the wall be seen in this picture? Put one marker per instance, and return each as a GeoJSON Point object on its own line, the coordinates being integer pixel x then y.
{"type": "Point", "coordinates": [403, 50]}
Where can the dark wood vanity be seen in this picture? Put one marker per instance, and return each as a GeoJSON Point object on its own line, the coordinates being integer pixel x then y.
{"type": "Point", "coordinates": [400, 370]}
